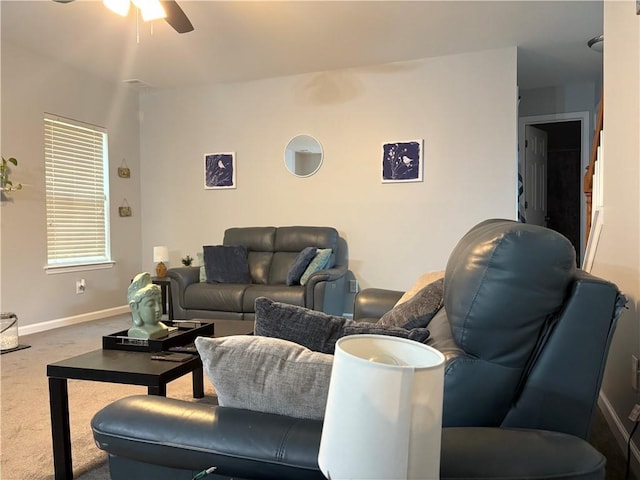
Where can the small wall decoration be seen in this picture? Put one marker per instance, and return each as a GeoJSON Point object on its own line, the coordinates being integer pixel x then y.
{"type": "Point", "coordinates": [219, 170]}
{"type": "Point", "coordinates": [123, 170]}
{"type": "Point", "coordinates": [402, 161]}
{"type": "Point", "coordinates": [124, 210]}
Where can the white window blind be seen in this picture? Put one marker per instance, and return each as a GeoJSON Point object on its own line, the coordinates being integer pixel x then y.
{"type": "Point", "coordinates": [76, 169]}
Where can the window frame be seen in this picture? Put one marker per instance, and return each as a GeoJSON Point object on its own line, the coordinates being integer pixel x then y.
{"type": "Point", "coordinates": [98, 255]}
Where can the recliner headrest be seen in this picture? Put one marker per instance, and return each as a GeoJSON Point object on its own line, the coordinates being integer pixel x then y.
{"type": "Point", "coordinates": [503, 279]}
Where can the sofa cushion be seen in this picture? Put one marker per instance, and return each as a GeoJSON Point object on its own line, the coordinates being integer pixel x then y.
{"type": "Point", "coordinates": [255, 239]}
{"type": "Point", "coordinates": [293, 295]}
{"type": "Point", "coordinates": [319, 262]}
{"type": "Point", "coordinates": [300, 264]}
{"type": "Point", "coordinates": [267, 374]}
{"type": "Point", "coordinates": [294, 239]}
{"type": "Point", "coordinates": [222, 297]}
{"type": "Point", "coordinates": [280, 265]}
{"type": "Point", "coordinates": [226, 264]}
{"type": "Point", "coordinates": [418, 310]}
{"type": "Point", "coordinates": [318, 331]}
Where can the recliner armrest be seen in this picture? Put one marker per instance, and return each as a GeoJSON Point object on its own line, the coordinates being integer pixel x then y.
{"type": "Point", "coordinates": [194, 436]}
{"type": "Point", "coordinates": [372, 303]}
{"type": "Point", "coordinates": [241, 443]}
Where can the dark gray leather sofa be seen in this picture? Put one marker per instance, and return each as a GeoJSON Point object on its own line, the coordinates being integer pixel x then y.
{"type": "Point", "coordinates": [525, 335]}
{"type": "Point", "coordinates": [271, 252]}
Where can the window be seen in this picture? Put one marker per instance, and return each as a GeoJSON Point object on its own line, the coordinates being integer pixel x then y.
{"type": "Point", "coordinates": [77, 193]}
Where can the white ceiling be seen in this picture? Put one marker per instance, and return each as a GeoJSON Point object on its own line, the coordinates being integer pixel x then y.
{"type": "Point", "coordinates": [241, 40]}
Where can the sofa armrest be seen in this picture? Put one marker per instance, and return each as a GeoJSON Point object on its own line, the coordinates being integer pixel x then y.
{"type": "Point", "coordinates": [372, 303]}
{"type": "Point", "coordinates": [181, 278]}
{"type": "Point", "coordinates": [183, 435]}
{"type": "Point", "coordinates": [325, 290]}
{"type": "Point", "coordinates": [329, 275]}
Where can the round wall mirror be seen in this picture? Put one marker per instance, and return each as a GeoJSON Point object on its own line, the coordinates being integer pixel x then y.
{"type": "Point", "coordinates": [303, 155]}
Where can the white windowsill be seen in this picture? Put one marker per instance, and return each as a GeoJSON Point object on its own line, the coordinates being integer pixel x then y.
{"type": "Point", "coordinates": [54, 269]}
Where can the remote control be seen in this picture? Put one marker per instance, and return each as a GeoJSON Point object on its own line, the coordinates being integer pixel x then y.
{"type": "Point", "coordinates": [191, 348]}
{"type": "Point", "coordinates": [171, 356]}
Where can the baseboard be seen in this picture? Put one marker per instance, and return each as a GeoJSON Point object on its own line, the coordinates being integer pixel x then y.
{"type": "Point", "coordinates": [619, 432]}
{"type": "Point", "coordinates": [65, 322]}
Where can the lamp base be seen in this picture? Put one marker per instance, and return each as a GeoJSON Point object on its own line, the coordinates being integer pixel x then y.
{"type": "Point", "coordinates": [161, 270]}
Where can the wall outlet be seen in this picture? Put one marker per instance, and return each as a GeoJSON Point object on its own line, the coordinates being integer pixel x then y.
{"type": "Point", "coordinates": [353, 286]}
{"type": "Point", "coordinates": [634, 372]}
{"type": "Point", "coordinates": [81, 286]}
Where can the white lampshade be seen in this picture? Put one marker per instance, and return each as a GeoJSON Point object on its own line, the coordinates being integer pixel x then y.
{"type": "Point", "coordinates": [384, 410]}
{"type": "Point", "coordinates": [160, 254]}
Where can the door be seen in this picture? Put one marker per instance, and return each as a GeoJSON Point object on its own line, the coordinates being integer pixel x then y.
{"type": "Point", "coordinates": [535, 167]}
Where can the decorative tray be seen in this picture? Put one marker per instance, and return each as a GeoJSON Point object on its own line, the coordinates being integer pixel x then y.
{"type": "Point", "coordinates": [181, 332]}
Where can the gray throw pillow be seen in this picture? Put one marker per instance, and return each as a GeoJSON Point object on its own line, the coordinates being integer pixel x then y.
{"type": "Point", "coordinates": [226, 264]}
{"type": "Point", "coordinates": [300, 264]}
{"type": "Point", "coordinates": [315, 330]}
{"type": "Point", "coordinates": [418, 311]}
{"type": "Point", "coordinates": [267, 375]}
{"type": "Point", "coordinates": [362, 328]}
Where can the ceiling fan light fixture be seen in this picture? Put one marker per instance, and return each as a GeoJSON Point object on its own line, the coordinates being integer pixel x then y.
{"type": "Point", "coordinates": [150, 9]}
{"type": "Point", "coordinates": [121, 7]}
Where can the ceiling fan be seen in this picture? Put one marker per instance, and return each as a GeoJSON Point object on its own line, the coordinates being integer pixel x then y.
{"type": "Point", "coordinates": [151, 10]}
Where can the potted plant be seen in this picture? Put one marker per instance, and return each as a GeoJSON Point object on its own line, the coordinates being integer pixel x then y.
{"type": "Point", "coordinates": [187, 261]}
{"type": "Point", "coordinates": [5, 183]}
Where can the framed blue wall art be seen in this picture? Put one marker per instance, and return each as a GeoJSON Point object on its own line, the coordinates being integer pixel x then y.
{"type": "Point", "coordinates": [402, 161]}
{"type": "Point", "coordinates": [219, 170]}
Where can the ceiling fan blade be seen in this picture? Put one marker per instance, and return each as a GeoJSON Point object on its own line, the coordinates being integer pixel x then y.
{"type": "Point", "coordinates": [176, 17]}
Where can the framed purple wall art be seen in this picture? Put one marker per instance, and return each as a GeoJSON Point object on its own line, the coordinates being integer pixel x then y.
{"type": "Point", "coordinates": [402, 161]}
{"type": "Point", "coordinates": [219, 170]}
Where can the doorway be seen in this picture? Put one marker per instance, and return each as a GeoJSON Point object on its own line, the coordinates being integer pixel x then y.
{"type": "Point", "coordinates": [567, 153]}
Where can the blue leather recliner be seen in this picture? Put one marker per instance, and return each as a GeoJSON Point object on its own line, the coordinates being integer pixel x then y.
{"type": "Point", "coordinates": [525, 335]}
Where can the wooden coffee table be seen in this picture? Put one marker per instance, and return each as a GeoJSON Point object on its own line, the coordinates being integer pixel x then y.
{"type": "Point", "coordinates": [115, 366]}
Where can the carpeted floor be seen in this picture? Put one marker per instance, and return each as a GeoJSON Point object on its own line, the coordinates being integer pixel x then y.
{"type": "Point", "coordinates": [25, 427]}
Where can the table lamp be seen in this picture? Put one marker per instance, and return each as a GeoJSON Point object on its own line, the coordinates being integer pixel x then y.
{"type": "Point", "coordinates": [160, 255]}
{"type": "Point", "coordinates": [383, 418]}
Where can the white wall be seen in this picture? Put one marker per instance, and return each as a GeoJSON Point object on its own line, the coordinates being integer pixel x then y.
{"type": "Point", "coordinates": [569, 98]}
{"type": "Point", "coordinates": [31, 86]}
{"type": "Point", "coordinates": [618, 254]}
{"type": "Point", "coordinates": [463, 106]}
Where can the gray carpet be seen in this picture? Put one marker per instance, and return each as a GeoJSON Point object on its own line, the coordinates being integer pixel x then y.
{"type": "Point", "coordinates": [25, 427]}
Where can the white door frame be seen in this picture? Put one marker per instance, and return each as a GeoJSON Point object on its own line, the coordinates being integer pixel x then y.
{"type": "Point", "coordinates": [583, 118]}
